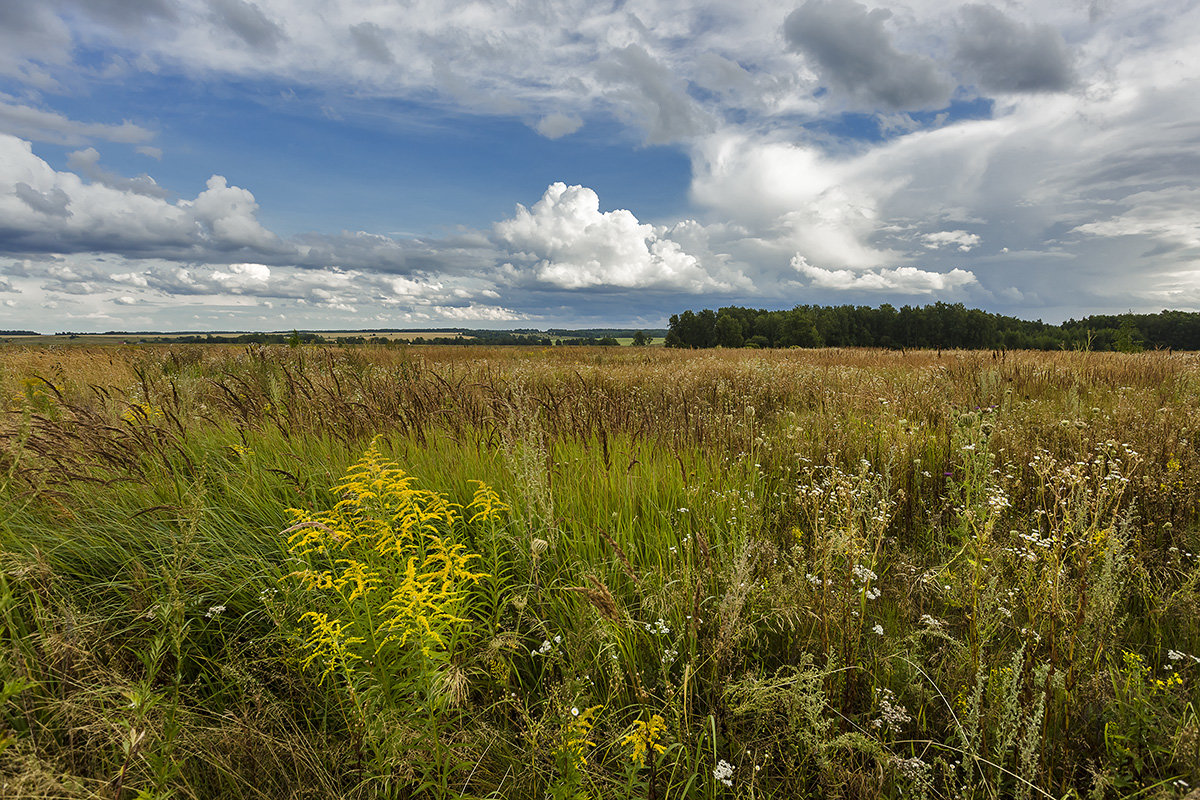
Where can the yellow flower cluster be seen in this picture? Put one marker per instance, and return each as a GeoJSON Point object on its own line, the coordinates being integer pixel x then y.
{"type": "Point", "coordinates": [329, 643]}
{"type": "Point", "coordinates": [1168, 683]}
{"type": "Point", "coordinates": [644, 738]}
{"type": "Point", "coordinates": [386, 548]}
{"type": "Point", "coordinates": [426, 600]}
{"type": "Point", "coordinates": [486, 504]}
{"type": "Point", "coordinates": [141, 412]}
{"type": "Point", "coordinates": [576, 744]}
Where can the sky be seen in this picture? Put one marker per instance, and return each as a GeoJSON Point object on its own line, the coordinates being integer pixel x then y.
{"type": "Point", "coordinates": [351, 164]}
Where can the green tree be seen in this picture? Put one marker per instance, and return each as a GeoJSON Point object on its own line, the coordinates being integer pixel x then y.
{"type": "Point", "coordinates": [728, 330]}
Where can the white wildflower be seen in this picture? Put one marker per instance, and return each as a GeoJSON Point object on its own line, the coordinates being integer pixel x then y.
{"type": "Point", "coordinates": [724, 772]}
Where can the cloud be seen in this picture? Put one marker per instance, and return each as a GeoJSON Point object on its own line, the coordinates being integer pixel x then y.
{"type": "Point", "coordinates": [226, 214]}
{"type": "Point", "coordinates": [242, 277]}
{"type": "Point", "coordinates": [960, 240]}
{"type": "Point", "coordinates": [788, 197]}
{"type": "Point", "coordinates": [1076, 168]}
{"type": "Point", "coordinates": [556, 125]}
{"type": "Point", "coordinates": [370, 40]}
{"type": "Point", "coordinates": [31, 32]}
{"type": "Point", "coordinates": [126, 13]}
{"type": "Point", "coordinates": [652, 96]}
{"type": "Point", "coordinates": [52, 203]}
{"type": "Point", "coordinates": [1007, 56]}
{"type": "Point", "coordinates": [163, 285]}
{"type": "Point", "coordinates": [49, 211]}
{"type": "Point", "coordinates": [87, 163]}
{"type": "Point", "coordinates": [248, 22]}
{"type": "Point", "coordinates": [565, 241]}
{"type": "Point", "coordinates": [900, 280]}
{"type": "Point", "coordinates": [49, 126]}
{"type": "Point", "coordinates": [854, 54]}
{"type": "Point", "coordinates": [1167, 216]}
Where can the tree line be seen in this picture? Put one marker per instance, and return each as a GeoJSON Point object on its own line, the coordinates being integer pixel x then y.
{"type": "Point", "coordinates": [939, 325]}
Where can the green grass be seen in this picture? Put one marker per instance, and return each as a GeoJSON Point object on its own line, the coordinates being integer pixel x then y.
{"type": "Point", "coordinates": [841, 574]}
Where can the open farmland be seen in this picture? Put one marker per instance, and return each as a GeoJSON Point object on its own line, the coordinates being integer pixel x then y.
{"type": "Point", "coordinates": [289, 572]}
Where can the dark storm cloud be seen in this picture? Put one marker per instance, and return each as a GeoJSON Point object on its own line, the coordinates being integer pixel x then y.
{"type": "Point", "coordinates": [853, 53]}
{"type": "Point", "coordinates": [247, 22]}
{"type": "Point", "coordinates": [1007, 56]}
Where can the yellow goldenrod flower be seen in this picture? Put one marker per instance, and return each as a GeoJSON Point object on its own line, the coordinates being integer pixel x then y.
{"type": "Point", "coordinates": [329, 643]}
{"type": "Point", "coordinates": [313, 580]}
{"type": "Point", "coordinates": [486, 504]}
{"type": "Point", "coordinates": [644, 738]}
{"type": "Point", "coordinates": [576, 744]}
{"type": "Point", "coordinates": [396, 569]}
{"type": "Point", "coordinates": [358, 576]}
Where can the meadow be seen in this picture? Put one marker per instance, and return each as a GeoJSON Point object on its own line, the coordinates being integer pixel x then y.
{"type": "Point", "coordinates": [401, 572]}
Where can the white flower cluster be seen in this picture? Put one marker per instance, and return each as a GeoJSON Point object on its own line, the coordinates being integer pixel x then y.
{"type": "Point", "coordinates": [892, 713]}
{"type": "Point", "coordinates": [724, 772]}
{"type": "Point", "coordinates": [659, 627]}
{"type": "Point", "coordinates": [546, 647]}
{"type": "Point", "coordinates": [1175, 655]}
{"type": "Point", "coordinates": [1030, 543]}
{"type": "Point", "coordinates": [997, 500]}
{"type": "Point", "coordinates": [214, 611]}
{"type": "Point", "coordinates": [864, 575]}
{"type": "Point", "coordinates": [911, 768]}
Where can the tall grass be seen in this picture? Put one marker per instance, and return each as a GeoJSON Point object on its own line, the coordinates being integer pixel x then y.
{"type": "Point", "coordinates": [720, 574]}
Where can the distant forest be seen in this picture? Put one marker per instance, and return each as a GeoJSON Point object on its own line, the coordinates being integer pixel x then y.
{"type": "Point", "coordinates": [941, 325]}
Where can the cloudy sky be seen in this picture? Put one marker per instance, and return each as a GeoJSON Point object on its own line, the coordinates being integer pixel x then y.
{"type": "Point", "coordinates": [270, 164]}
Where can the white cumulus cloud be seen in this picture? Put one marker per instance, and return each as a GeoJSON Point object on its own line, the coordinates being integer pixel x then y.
{"type": "Point", "coordinates": [49, 211]}
{"type": "Point", "coordinates": [558, 125]}
{"type": "Point", "coordinates": [565, 240]}
{"type": "Point", "coordinates": [960, 240]}
{"type": "Point", "coordinates": [898, 280]}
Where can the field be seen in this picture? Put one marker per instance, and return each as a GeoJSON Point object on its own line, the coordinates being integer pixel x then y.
{"type": "Point", "coordinates": [313, 572]}
{"type": "Point", "coordinates": [81, 339]}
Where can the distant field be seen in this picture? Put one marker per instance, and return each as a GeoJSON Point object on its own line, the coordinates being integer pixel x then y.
{"type": "Point", "coordinates": [101, 338]}
{"type": "Point", "coordinates": [569, 572]}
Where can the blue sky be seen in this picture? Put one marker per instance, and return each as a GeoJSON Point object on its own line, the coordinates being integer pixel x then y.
{"type": "Point", "coordinates": [270, 164]}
